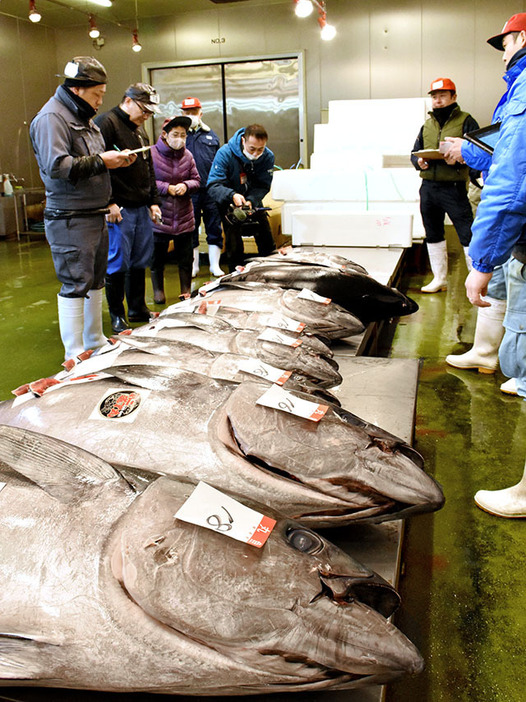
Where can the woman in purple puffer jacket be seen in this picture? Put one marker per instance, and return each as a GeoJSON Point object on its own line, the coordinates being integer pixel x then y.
{"type": "Point", "coordinates": [177, 178]}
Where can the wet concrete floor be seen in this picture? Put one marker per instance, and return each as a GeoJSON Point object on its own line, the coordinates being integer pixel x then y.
{"type": "Point", "coordinates": [462, 585]}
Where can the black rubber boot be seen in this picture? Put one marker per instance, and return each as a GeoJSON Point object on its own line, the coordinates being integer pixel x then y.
{"type": "Point", "coordinates": [158, 286]}
{"type": "Point", "coordinates": [115, 298]}
{"type": "Point", "coordinates": [135, 289]}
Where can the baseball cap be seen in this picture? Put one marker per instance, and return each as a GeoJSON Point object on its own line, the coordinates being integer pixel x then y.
{"type": "Point", "coordinates": [516, 23]}
{"type": "Point", "coordinates": [145, 94]}
{"type": "Point", "coordinates": [442, 84]}
{"type": "Point", "coordinates": [179, 121]}
{"type": "Point", "coordinates": [190, 102]}
{"type": "Point", "coordinates": [84, 71]}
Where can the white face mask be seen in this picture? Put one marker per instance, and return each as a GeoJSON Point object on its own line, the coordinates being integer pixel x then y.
{"type": "Point", "coordinates": [175, 143]}
{"type": "Point", "coordinates": [196, 121]}
{"type": "Point", "coordinates": [251, 157]}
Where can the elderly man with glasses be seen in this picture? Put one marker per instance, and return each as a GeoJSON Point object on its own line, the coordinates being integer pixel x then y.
{"type": "Point", "coordinates": [133, 206]}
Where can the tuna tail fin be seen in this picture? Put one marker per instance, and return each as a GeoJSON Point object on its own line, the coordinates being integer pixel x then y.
{"type": "Point", "coordinates": [23, 657]}
{"type": "Point", "coordinates": [58, 468]}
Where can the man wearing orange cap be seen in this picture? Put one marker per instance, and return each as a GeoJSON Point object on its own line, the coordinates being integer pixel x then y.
{"type": "Point", "coordinates": [203, 144]}
{"type": "Point", "coordinates": [499, 234]}
{"type": "Point", "coordinates": [499, 230]}
{"type": "Point", "coordinates": [444, 186]}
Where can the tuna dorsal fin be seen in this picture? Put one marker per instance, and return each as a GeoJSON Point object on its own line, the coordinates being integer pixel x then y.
{"type": "Point", "coordinates": [55, 466]}
{"type": "Point", "coordinates": [22, 657]}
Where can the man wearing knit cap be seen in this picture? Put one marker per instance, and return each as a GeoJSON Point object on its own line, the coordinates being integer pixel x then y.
{"type": "Point", "coordinates": [74, 167]}
{"type": "Point", "coordinates": [134, 204]}
{"type": "Point", "coordinates": [203, 144]}
{"type": "Point", "coordinates": [444, 188]}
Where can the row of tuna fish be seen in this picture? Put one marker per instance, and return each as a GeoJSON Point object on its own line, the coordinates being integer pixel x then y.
{"type": "Point", "coordinates": [104, 588]}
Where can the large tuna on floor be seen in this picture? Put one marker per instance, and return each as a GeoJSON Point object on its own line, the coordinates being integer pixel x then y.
{"type": "Point", "coordinates": [102, 588]}
{"type": "Point", "coordinates": [324, 473]}
{"type": "Point", "coordinates": [309, 256]}
{"type": "Point", "coordinates": [353, 290]}
{"type": "Point", "coordinates": [171, 342]}
{"type": "Point", "coordinates": [330, 320]}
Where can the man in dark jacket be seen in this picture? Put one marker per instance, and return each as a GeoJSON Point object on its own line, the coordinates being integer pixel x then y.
{"type": "Point", "coordinates": [134, 203]}
{"type": "Point", "coordinates": [241, 176]}
{"type": "Point", "coordinates": [444, 187]}
{"type": "Point", "coordinates": [74, 167]}
{"type": "Point", "coordinates": [203, 144]}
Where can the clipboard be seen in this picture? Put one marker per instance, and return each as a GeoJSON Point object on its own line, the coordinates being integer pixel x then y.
{"type": "Point", "coordinates": [485, 138]}
{"type": "Point", "coordinates": [138, 151]}
{"type": "Point", "coordinates": [429, 154]}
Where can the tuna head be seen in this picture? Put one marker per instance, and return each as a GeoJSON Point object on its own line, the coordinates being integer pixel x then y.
{"type": "Point", "coordinates": [290, 610]}
{"type": "Point", "coordinates": [373, 474]}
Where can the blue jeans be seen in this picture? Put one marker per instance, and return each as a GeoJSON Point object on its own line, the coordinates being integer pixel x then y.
{"type": "Point", "coordinates": [498, 283]}
{"type": "Point", "coordinates": [131, 241]}
{"type": "Point", "coordinates": [512, 351]}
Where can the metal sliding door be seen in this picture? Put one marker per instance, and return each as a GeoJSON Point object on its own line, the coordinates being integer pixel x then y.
{"type": "Point", "coordinates": [266, 92]}
{"type": "Point", "coordinates": [237, 93]}
{"type": "Point", "coordinates": [204, 81]}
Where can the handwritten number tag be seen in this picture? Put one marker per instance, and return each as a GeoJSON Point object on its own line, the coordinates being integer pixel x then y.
{"type": "Point", "coordinates": [212, 509]}
{"type": "Point", "coordinates": [278, 398]}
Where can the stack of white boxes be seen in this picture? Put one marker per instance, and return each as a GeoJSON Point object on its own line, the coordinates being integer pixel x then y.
{"type": "Point", "coordinates": [352, 195]}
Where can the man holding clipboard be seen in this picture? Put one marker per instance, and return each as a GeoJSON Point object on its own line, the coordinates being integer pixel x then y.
{"type": "Point", "coordinates": [134, 204]}
{"type": "Point", "coordinates": [499, 230]}
{"type": "Point", "coordinates": [444, 185]}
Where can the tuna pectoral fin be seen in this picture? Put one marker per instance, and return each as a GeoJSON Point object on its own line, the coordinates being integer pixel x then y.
{"type": "Point", "coordinates": [60, 469]}
{"type": "Point", "coordinates": [23, 658]}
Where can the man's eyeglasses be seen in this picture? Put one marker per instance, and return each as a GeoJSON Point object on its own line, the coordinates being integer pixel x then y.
{"type": "Point", "coordinates": [142, 109]}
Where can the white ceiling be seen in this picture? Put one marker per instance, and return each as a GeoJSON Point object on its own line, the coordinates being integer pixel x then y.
{"type": "Point", "coordinates": [67, 13]}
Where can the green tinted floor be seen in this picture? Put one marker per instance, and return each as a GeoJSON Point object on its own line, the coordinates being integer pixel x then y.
{"type": "Point", "coordinates": [463, 585]}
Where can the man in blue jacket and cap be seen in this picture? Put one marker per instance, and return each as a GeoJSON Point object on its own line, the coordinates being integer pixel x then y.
{"type": "Point", "coordinates": [240, 177]}
{"type": "Point", "coordinates": [499, 230]}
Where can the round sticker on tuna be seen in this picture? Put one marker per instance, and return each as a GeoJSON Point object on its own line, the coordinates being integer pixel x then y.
{"type": "Point", "coordinates": [120, 404]}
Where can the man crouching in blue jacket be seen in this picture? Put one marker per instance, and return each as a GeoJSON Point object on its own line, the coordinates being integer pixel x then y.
{"type": "Point", "coordinates": [499, 230]}
{"type": "Point", "coordinates": [241, 176]}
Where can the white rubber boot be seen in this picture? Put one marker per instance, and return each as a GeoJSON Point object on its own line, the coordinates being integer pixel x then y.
{"type": "Point", "coordinates": [93, 335]}
{"type": "Point", "coordinates": [468, 259]}
{"type": "Point", "coordinates": [509, 387]}
{"type": "Point", "coordinates": [71, 324]}
{"type": "Point", "coordinates": [195, 265]}
{"type": "Point", "coordinates": [214, 253]}
{"type": "Point", "coordinates": [484, 354]}
{"type": "Point", "coordinates": [510, 502]}
{"type": "Point", "coordinates": [438, 261]}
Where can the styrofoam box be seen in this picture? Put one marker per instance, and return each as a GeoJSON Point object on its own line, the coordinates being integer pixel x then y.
{"type": "Point", "coordinates": [383, 184]}
{"type": "Point", "coordinates": [343, 228]}
{"type": "Point", "coordinates": [384, 125]}
{"type": "Point", "coordinates": [289, 209]}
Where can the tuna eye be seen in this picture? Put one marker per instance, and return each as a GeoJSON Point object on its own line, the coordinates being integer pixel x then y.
{"type": "Point", "coordinates": [304, 541]}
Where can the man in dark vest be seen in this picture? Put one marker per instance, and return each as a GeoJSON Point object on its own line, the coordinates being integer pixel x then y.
{"type": "Point", "coordinates": [444, 187]}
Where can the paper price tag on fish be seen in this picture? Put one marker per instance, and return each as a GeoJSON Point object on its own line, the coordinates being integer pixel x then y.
{"type": "Point", "coordinates": [211, 285]}
{"type": "Point", "coordinates": [279, 338]}
{"type": "Point", "coordinates": [209, 307]}
{"type": "Point", "coordinates": [265, 370]}
{"type": "Point", "coordinates": [287, 323]}
{"type": "Point", "coordinates": [212, 509]}
{"type": "Point", "coordinates": [306, 294]}
{"type": "Point", "coordinates": [278, 398]}
{"type": "Point", "coordinates": [2, 486]}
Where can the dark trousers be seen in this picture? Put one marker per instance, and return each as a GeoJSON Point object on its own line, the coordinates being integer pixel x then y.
{"type": "Point", "coordinates": [206, 208]}
{"type": "Point", "coordinates": [439, 199]}
{"type": "Point", "coordinates": [257, 225]}
{"type": "Point", "coordinates": [79, 247]}
{"type": "Point", "coordinates": [183, 255]}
